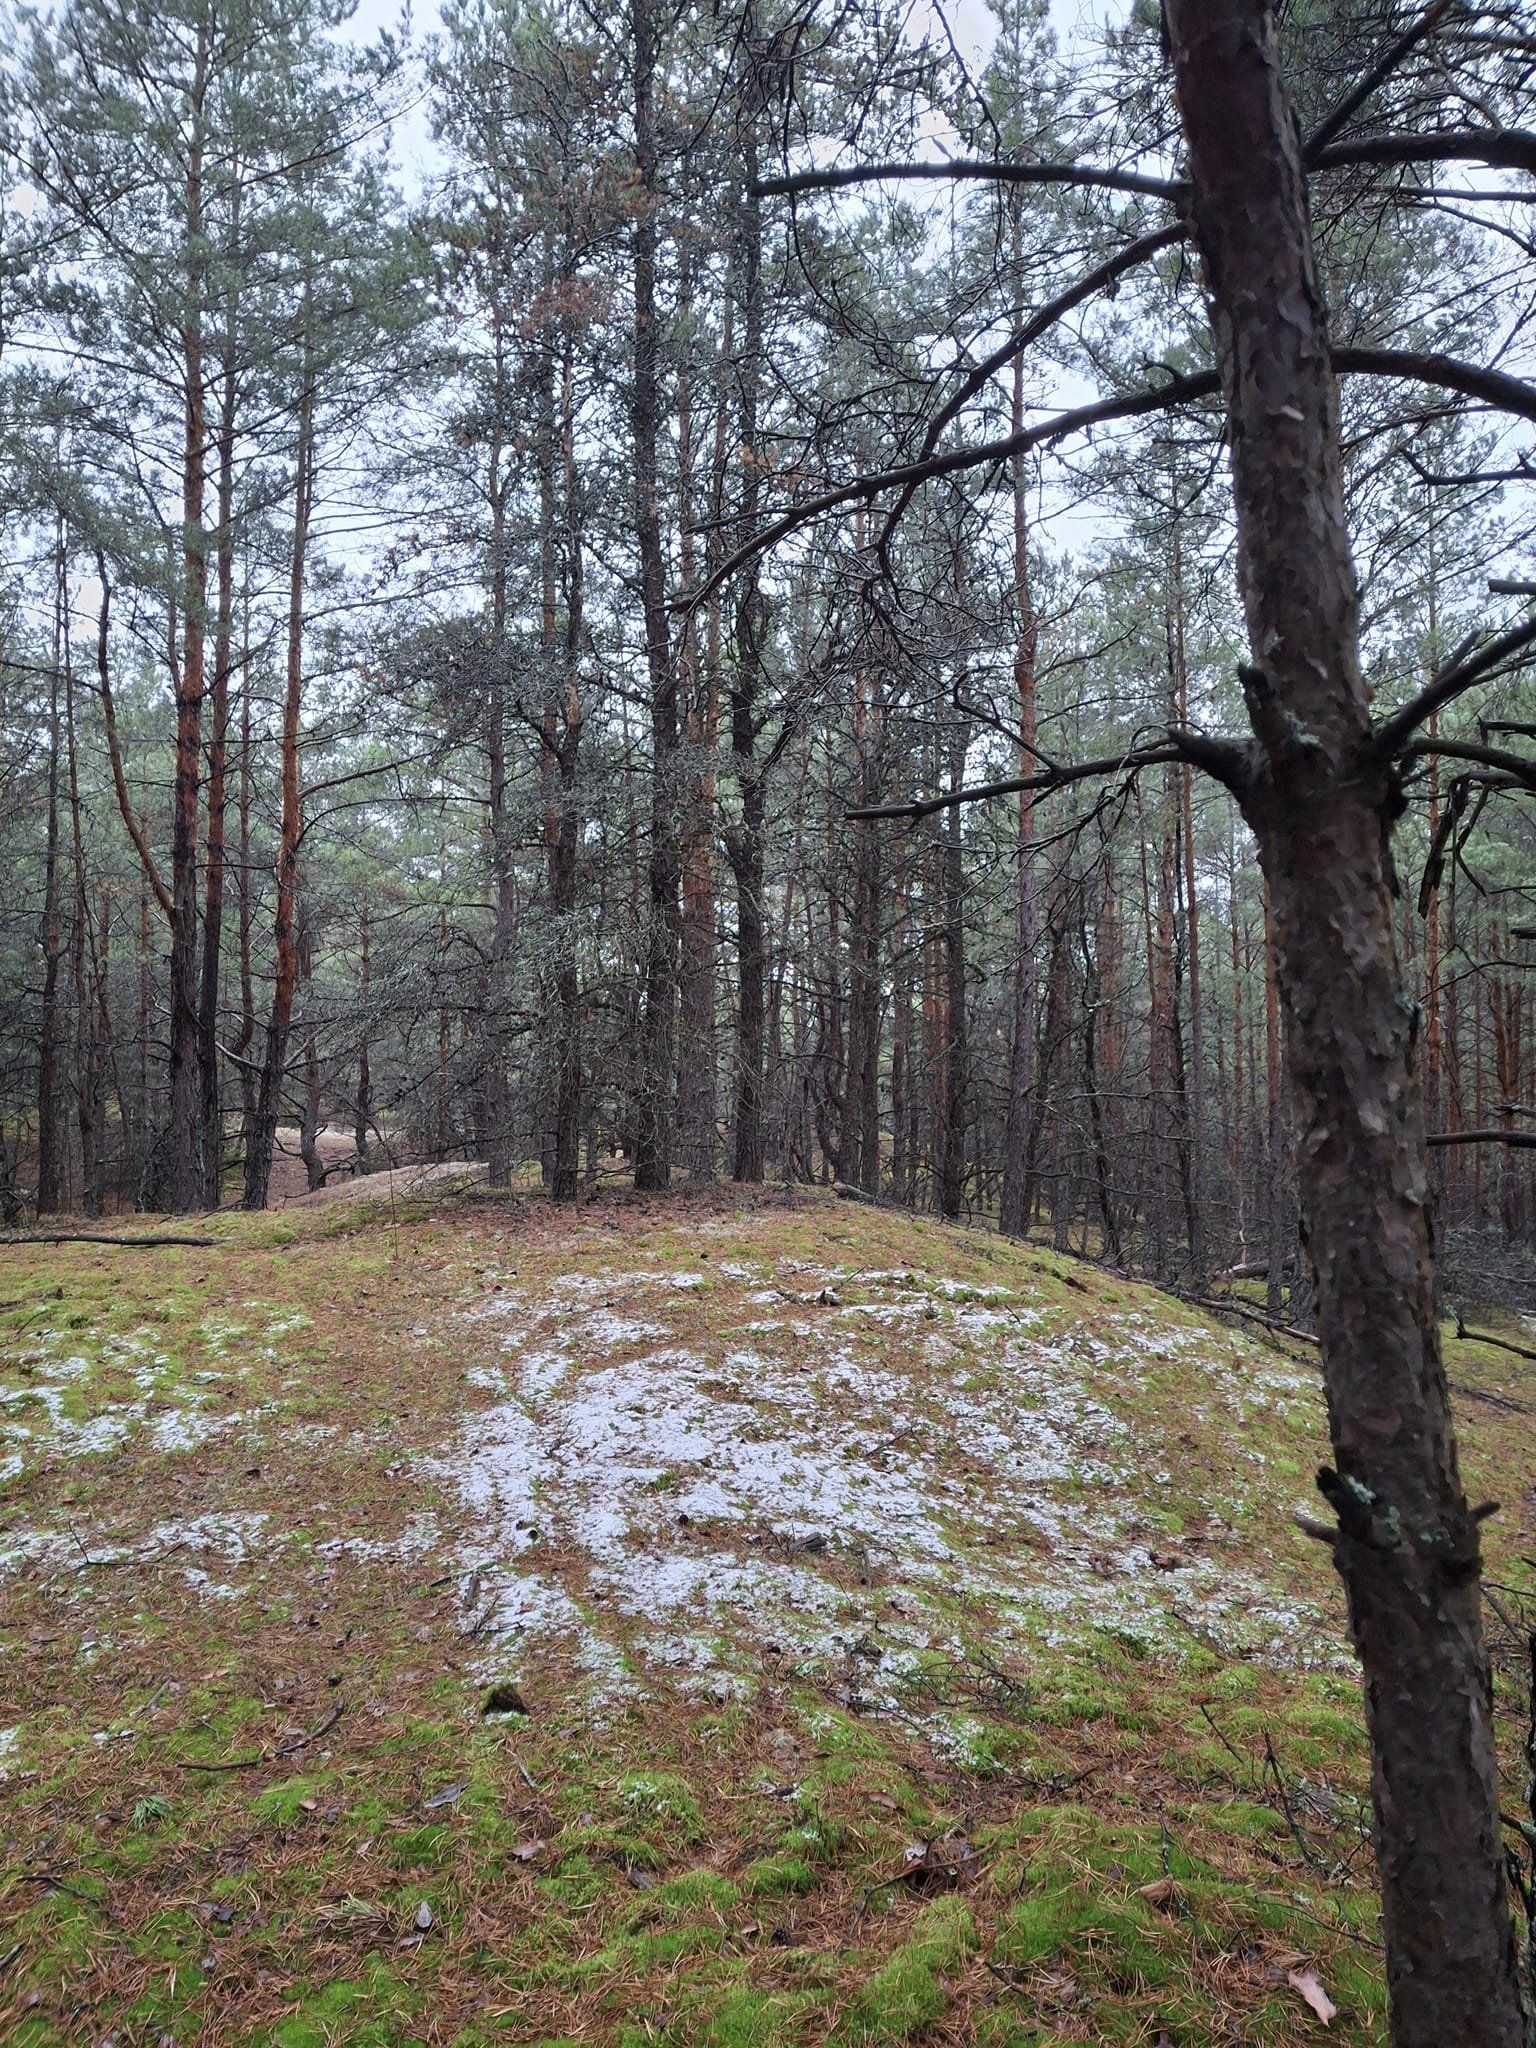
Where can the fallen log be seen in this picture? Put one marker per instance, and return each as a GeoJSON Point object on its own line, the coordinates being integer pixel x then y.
{"type": "Point", "coordinates": [105, 1237]}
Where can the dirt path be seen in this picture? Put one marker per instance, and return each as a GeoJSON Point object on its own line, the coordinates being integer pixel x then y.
{"type": "Point", "coordinates": [338, 1155]}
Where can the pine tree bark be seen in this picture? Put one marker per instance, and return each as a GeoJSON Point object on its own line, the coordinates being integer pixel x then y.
{"type": "Point", "coordinates": [1194, 1067]}
{"type": "Point", "coordinates": [258, 1162]}
{"type": "Point", "coordinates": [744, 836]}
{"type": "Point", "coordinates": [1013, 1212]}
{"type": "Point", "coordinates": [699, 659]}
{"type": "Point", "coordinates": [210, 1109]}
{"type": "Point", "coordinates": [182, 1179]}
{"type": "Point", "coordinates": [1321, 802]}
{"type": "Point", "coordinates": [954, 1051]}
{"type": "Point", "coordinates": [658, 1021]}
{"type": "Point", "coordinates": [564, 844]}
{"type": "Point", "coordinates": [90, 1040]}
{"type": "Point", "coordinates": [859, 1134]}
{"type": "Point", "coordinates": [246, 1036]}
{"type": "Point", "coordinates": [362, 1108]}
{"type": "Point", "coordinates": [49, 1162]}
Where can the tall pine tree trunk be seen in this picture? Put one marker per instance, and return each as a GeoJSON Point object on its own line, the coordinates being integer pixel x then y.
{"type": "Point", "coordinates": [258, 1163]}
{"type": "Point", "coordinates": [744, 838]}
{"type": "Point", "coordinates": [49, 1131]}
{"type": "Point", "coordinates": [182, 1181]}
{"type": "Point", "coordinates": [211, 1133]}
{"type": "Point", "coordinates": [1321, 801]}
{"type": "Point", "coordinates": [1013, 1215]}
{"type": "Point", "coordinates": [954, 1091]}
{"type": "Point", "coordinates": [658, 1020]}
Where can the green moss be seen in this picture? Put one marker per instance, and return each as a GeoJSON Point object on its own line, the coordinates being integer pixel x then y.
{"type": "Point", "coordinates": [906, 1994]}
{"type": "Point", "coordinates": [430, 1844]}
{"type": "Point", "coordinates": [654, 1948]}
{"type": "Point", "coordinates": [776, 1877]}
{"type": "Point", "coordinates": [747, 2018]}
{"type": "Point", "coordinates": [577, 1882]}
{"type": "Point", "coordinates": [662, 1796]}
{"type": "Point", "coordinates": [1243, 1817]}
{"type": "Point", "coordinates": [284, 1804]}
{"type": "Point", "coordinates": [813, 1835]}
{"type": "Point", "coordinates": [693, 1892]}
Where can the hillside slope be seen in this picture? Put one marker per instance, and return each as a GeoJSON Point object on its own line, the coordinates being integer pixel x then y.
{"type": "Point", "coordinates": [897, 1635]}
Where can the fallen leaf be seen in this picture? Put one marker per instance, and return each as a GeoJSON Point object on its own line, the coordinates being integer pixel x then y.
{"type": "Point", "coordinates": [1162, 1892]}
{"type": "Point", "coordinates": [948, 1861]}
{"type": "Point", "coordinates": [1305, 1983]}
{"type": "Point", "coordinates": [448, 1795]}
{"type": "Point", "coordinates": [424, 1916]}
{"type": "Point", "coordinates": [526, 1851]}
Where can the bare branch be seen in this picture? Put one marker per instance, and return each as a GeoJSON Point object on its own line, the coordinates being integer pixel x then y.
{"type": "Point", "coordinates": [1091, 176]}
{"type": "Point", "coordinates": [1518, 1141]}
{"type": "Point", "coordinates": [1507, 149]}
{"type": "Point", "coordinates": [1519, 771]}
{"type": "Point", "coordinates": [1334, 123]}
{"type": "Point", "coordinates": [136, 832]}
{"type": "Point", "coordinates": [1038, 323]}
{"type": "Point", "coordinates": [1459, 674]}
{"type": "Point", "coordinates": [1155, 398]}
{"type": "Point", "coordinates": [1226, 760]}
{"type": "Point", "coordinates": [1493, 387]}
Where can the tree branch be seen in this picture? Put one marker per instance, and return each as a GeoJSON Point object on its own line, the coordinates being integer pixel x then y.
{"type": "Point", "coordinates": [1090, 176]}
{"type": "Point", "coordinates": [1333, 124]}
{"type": "Point", "coordinates": [1508, 149]}
{"type": "Point", "coordinates": [1519, 770]}
{"type": "Point", "coordinates": [1226, 760]}
{"type": "Point", "coordinates": [1520, 1141]}
{"type": "Point", "coordinates": [1158, 398]}
{"type": "Point", "coordinates": [1460, 673]}
{"type": "Point", "coordinates": [114, 752]}
{"type": "Point", "coordinates": [1038, 323]}
{"type": "Point", "coordinates": [1493, 387]}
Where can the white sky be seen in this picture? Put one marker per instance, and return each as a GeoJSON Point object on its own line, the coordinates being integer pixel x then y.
{"type": "Point", "coordinates": [971, 22]}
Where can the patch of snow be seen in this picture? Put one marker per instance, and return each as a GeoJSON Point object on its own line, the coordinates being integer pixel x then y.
{"type": "Point", "coordinates": [418, 1536]}
{"type": "Point", "coordinates": [210, 1588]}
{"type": "Point", "coordinates": [706, 1505]}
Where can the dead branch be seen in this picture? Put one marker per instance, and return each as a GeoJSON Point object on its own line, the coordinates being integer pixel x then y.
{"type": "Point", "coordinates": [104, 1237]}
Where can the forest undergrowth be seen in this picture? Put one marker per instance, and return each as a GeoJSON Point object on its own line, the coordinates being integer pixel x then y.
{"type": "Point", "coordinates": [736, 1619]}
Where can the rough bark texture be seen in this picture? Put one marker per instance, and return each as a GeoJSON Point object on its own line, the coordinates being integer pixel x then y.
{"type": "Point", "coordinates": [1013, 1213]}
{"type": "Point", "coordinates": [699, 660]}
{"type": "Point", "coordinates": [954, 1082]}
{"type": "Point", "coordinates": [564, 877]}
{"type": "Point", "coordinates": [181, 1177]}
{"type": "Point", "coordinates": [744, 837]}
{"type": "Point", "coordinates": [258, 1162]}
{"type": "Point", "coordinates": [362, 1108]}
{"type": "Point", "coordinates": [49, 1174]}
{"type": "Point", "coordinates": [658, 1026]}
{"type": "Point", "coordinates": [1321, 805]}
{"type": "Point", "coordinates": [210, 1106]}
{"type": "Point", "coordinates": [859, 1137]}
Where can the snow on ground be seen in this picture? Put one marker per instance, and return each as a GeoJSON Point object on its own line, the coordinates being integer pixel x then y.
{"type": "Point", "coordinates": [739, 1468]}
{"type": "Point", "coordinates": [794, 1488]}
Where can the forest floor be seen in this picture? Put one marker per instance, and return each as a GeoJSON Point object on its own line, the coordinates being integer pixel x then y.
{"type": "Point", "coordinates": [889, 1634]}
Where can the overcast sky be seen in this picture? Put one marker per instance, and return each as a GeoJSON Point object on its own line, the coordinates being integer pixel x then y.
{"type": "Point", "coordinates": [971, 23]}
